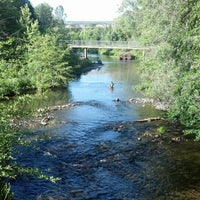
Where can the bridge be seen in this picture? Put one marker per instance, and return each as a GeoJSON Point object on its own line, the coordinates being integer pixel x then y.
{"type": "Point", "coordinates": [129, 45]}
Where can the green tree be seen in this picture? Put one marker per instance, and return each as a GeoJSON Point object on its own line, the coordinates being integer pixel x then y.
{"type": "Point", "coordinates": [185, 40]}
{"type": "Point", "coordinates": [47, 63]}
{"type": "Point", "coordinates": [125, 25]}
{"type": "Point", "coordinates": [9, 16]}
{"type": "Point", "coordinates": [46, 58]}
{"type": "Point", "coordinates": [60, 15]}
{"type": "Point", "coordinates": [45, 16]}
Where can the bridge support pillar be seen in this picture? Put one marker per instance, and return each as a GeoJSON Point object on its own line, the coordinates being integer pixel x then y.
{"type": "Point", "coordinates": [85, 53]}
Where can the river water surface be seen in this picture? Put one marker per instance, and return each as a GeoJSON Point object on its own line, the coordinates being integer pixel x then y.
{"type": "Point", "coordinates": [96, 152]}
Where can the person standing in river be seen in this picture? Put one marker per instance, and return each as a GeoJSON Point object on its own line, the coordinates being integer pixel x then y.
{"type": "Point", "coordinates": [111, 86]}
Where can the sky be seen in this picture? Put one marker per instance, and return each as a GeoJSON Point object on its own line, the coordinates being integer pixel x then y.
{"type": "Point", "coordinates": [86, 10]}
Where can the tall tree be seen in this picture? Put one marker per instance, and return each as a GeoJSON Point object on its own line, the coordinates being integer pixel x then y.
{"type": "Point", "coordinates": [125, 24]}
{"type": "Point", "coordinates": [45, 16]}
{"type": "Point", "coordinates": [60, 15]}
{"type": "Point", "coordinates": [9, 16]}
{"type": "Point", "coordinates": [47, 59]}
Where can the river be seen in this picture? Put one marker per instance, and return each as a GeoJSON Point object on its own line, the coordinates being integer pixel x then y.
{"type": "Point", "coordinates": [96, 149]}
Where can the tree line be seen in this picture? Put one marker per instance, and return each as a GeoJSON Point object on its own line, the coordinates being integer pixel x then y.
{"type": "Point", "coordinates": [171, 71]}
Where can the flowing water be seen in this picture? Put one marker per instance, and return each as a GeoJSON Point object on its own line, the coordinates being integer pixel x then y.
{"type": "Point", "coordinates": [96, 151]}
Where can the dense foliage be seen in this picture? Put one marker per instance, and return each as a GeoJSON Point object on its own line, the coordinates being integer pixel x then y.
{"type": "Point", "coordinates": [171, 73]}
{"type": "Point", "coordinates": [34, 59]}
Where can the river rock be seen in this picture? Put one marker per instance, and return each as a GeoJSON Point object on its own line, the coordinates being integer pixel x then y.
{"type": "Point", "coordinates": [126, 56]}
{"type": "Point", "coordinates": [141, 100]}
{"type": "Point", "coordinates": [157, 104]}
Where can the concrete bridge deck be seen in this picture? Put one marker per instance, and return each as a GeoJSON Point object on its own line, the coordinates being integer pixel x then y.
{"type": "Point", "coordinates": [106, 45]}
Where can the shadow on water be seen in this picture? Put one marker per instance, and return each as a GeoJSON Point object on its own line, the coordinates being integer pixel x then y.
{"type": "Point", "coordinates": [96, 152]}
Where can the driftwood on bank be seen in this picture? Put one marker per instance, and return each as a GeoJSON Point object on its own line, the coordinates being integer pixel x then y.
{"type": "Point", "coordinates": [150, 119]}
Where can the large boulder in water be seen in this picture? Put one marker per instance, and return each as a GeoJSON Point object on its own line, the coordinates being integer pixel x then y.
{"type": "Point", "coordinates": [126, 56]}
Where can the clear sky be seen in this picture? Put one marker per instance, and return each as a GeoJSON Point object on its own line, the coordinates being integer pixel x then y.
{"type": "Point", "coordinates": [86, 10]}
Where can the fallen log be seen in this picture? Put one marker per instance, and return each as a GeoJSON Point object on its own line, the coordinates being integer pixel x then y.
{"type": "Point", "coordinates": [150, 119]}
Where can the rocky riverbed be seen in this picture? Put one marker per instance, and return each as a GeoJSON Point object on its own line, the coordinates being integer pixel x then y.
{"type": "Point", "coordinates": [45, 117]}
{"type": "Point", "coordinates": [143, 165]}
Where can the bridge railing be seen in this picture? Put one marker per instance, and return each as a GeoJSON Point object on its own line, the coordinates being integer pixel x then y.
{"type": "Point", "coordinates": [105, 44]}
